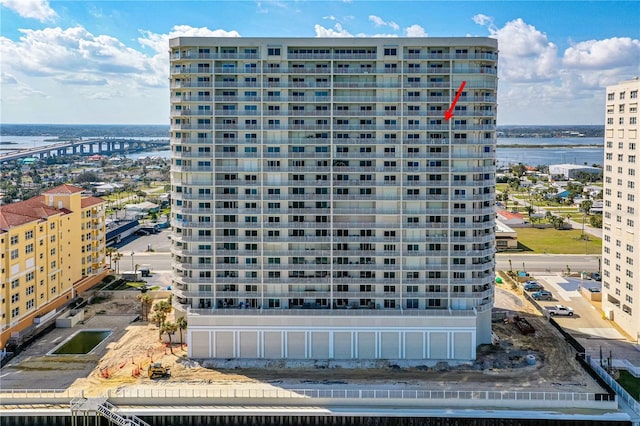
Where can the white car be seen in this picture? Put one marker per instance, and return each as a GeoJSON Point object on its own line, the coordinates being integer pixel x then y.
{"type": "Point", "coordinates": [560, 310]}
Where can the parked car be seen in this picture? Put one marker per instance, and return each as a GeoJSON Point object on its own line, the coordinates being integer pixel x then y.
{"type": "Point", "coordinates": [560, 310]}
{"type": "Point", "coordinates": [533, 286]}
{"type": "Point", "coordinates": [542, 295]}
{"type": "Point", "coordinates": [595, 276]}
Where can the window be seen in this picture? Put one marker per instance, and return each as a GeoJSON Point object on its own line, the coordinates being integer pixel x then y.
{"type": "Point", "coordinates": [390, 52]}
{"type": "Point", "coordinates": [273, 51]}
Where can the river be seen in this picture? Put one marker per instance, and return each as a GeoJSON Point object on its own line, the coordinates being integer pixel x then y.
{"type": "Point", "coordinates": [531, 151]}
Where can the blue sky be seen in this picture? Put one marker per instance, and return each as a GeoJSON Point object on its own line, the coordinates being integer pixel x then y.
{"type": "Point", "coordinates": [106, 62]}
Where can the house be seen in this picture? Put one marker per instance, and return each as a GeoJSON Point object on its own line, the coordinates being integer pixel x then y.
{"type": "Point", "coordinates": [510, 218]}
{"type": "Point", "coordinates": [506, 237]}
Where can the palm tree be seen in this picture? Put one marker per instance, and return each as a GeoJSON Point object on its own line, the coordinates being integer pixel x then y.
{"type": "Point", "coordinates": [162, 309]}
{"type": "Point", "coordinates": [145, 307]}
{"type": "Point", "coordinates": [116, 259]}
{"type": "Point", "coordinates": [585, 206]}
{"type": "Point", "coordinates": [182, 325]}
{"type": "Point", "coordinates": [530, 210]}
{"type": "Point", "coordinates": [158, 318]}
{"type": "Point", "coordinates": [169, 328]}
{"type": "Point", "coordinates": [109, 252]}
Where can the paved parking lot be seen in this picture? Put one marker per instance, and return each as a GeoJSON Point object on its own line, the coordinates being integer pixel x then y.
{"type": "Point", "coordinates": [588, 325]}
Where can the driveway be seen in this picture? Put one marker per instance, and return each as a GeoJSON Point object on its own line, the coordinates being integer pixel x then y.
{"type": "Point", "coordinates": [588, 325]}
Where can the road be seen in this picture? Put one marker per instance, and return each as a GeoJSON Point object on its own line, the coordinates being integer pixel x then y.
{"type": "Point", "coordinates": [159, 260]}
{"type": "Point", "coordinates": [547, 263]}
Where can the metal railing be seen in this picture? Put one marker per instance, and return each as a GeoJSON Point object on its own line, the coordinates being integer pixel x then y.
{"type": "Point", "coordinates": [352, 394]}
{"type": "Point", "coordinates": [618, 389]}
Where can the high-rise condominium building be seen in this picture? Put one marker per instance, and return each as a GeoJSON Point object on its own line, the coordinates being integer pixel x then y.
{"type": "Point", "coordinates": [323, 207]}
{"type": "Point", "coordinates": [53, 248]}
{"type": "Point", "coordinates": [621, 221]}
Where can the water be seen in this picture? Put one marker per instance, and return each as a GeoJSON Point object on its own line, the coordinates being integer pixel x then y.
{"type": "Point", "coordinates": [82, 342]}
{"type": "Point", "coordinates": [545, 151]}
{"type": "Point", "coordinates": [532, 151]}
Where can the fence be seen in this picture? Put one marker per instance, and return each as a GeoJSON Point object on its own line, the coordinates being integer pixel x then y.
{"type": "Point", "coordinates": [39, 396]}
{"type": "Point", "coordinates": [622, 393]}
{"type": "Point", "coordinates": [357, 397]}
{"type": "Point", "coordinates": [189, 396]}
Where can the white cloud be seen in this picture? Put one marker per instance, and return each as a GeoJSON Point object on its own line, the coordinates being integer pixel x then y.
{"type": "Point", "coordinates": [54, 51]}
{"type": "Point", "coordinates": [483, 20]}
{"type": "Point", "coordinates": [160, 42]}
{"type": "Point", "coordinates": [526, 54]}
{"type": "Point", "coordinates": [603, 54]}
{"type": "Point", "coordinates": [336, 31]}
{"type": "Point", "coordinates": [415, 31]}
{"type": "Point", "coordinates": [6, 78]}
{"type": "Point", "coordinates": [539, 84]}
{"type": "Point", "coordinates": [33, 9]}
{"type": "Point", "coordinates": [81, 80]}
{"type": "Point", "coordinates": [330, 17]}
{"type": "Point", "coordinates": [379, 22]}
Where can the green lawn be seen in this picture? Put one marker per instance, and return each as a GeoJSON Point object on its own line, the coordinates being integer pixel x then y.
{"type": "Point", "coordinates": [630, 384]}
{"type": "Point", "coordinates": [549, 240]}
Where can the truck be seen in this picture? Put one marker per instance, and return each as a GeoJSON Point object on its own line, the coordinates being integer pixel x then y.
{"type": "Point", "coordinates": [560, 310]}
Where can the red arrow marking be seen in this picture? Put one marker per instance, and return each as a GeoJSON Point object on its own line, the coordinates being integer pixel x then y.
{"type": "Point", "coordinates": [448, 114]}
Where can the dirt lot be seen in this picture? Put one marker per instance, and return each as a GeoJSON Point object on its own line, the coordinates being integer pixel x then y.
{"type": "Point", "coordinates": [133, 346]}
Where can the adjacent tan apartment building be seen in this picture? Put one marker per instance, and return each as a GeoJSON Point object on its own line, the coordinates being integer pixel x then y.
{"type": "Point", "coordinates": [323, 207]}
{"type": "Point", "coordinates": [621, 211]}
{"type": "Point", "coordinates": [52, 249]}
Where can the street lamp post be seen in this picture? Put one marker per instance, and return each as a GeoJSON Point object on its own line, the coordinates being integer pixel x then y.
{"type": "Point", "coordinates": [132, 253]}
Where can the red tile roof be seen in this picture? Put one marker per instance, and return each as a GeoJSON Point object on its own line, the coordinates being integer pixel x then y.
{"type": "Point", "coordinates": [508, 215]}
{"type": "Point", "coordinates": [31, 210]}
{"type": "Point", "coordinates": [91, 201]}
{"type": "Point", "coordinates": [64, 189]}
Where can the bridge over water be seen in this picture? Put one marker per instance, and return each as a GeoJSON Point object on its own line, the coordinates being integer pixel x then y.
{"type": "Point", "coordinates": [102, 146]}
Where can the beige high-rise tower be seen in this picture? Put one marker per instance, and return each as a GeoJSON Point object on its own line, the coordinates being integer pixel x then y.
{"type": "Point", "coordinates": [323, 208]}
{"type": "Point", "coordinates": [621, 220]}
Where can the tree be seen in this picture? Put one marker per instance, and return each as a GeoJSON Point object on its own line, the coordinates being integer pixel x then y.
{"type": "Point", "coordinates": [87, 177]}
{"type": "Point", "coordinates": [169, 328]}
{"type": "Point", "coordinates": [530, 210]}
{"type": "Point", "coordinates": [585, 206]}
{"type": "Point", "coordinates": [161, 309]}
{"type": "Point", "coordinates": [159, 318]}
{"type": "Point", "coordinates": [145, 301]}
{"type": "Point", "coordinates": [110, 252]}
{"type": "Point", "coordinates": [116, 259]}
{"type": "Point", "coordinates": [595, 221]}
{"type": "Point", "coordinates": [518, 170]}
{"type": "Point", "coordinates": [182, 325]}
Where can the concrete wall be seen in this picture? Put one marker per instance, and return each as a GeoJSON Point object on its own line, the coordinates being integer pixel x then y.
{"type": "Point", "coordinates": [70, 319]}
{"type": "Point", "coordinates": [314, 337]}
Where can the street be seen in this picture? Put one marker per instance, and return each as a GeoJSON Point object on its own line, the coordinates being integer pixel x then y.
{"type": "Point", "coordinates": [547, 263]}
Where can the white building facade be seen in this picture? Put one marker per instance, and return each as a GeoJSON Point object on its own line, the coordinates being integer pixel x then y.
{"type": "Point", "coordinates": [322, 206]}
{"type": "Point", "coordinates": [621, 211]}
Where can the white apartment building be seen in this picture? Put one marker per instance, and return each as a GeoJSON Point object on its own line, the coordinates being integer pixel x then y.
{"type": "Point", "coordinates": [322, 206]}
{"type": "Point", "coordinates": [621, 220]}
